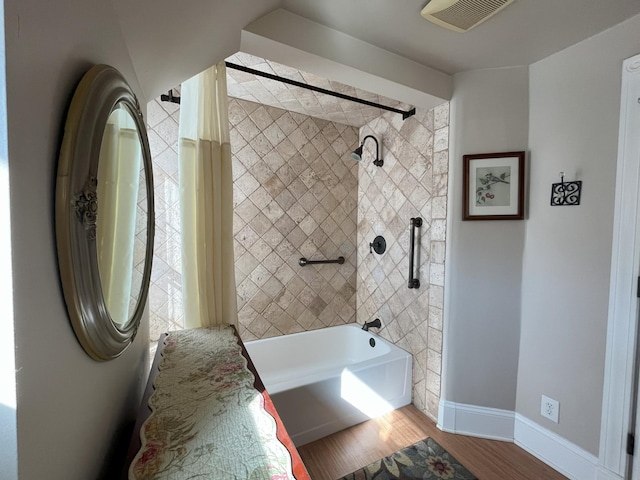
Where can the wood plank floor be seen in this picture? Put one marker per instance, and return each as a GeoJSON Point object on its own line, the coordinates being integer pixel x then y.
{"type": "Point", "coordinates": [333, 457]}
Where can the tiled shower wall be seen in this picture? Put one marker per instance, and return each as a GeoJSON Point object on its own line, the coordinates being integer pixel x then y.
{"type": "Point", "coordinates": [165, 289]}
{"type": "Point", "coordinates": [298, 193]}
{"type": "Point", "coordinates": [295, 195]}
{"type": "Point", "coordinates": [412, 183]}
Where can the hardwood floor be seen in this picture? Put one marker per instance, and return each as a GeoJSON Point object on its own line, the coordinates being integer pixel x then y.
{"type": "Point", "coordinates": [333, 457]}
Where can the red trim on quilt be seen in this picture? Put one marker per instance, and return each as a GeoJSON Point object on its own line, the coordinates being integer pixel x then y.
{"type": "Point", "coordinates": [299, 470]}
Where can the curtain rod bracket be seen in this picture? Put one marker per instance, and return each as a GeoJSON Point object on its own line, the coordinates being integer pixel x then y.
{"type": "Point", "coordinates": [169, 97]}
{"type": "Point", "coordinates": [409, 113]}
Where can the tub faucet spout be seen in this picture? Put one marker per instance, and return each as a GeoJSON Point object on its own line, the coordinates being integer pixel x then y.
{"type": "Point", "coordinates": [374, 323]}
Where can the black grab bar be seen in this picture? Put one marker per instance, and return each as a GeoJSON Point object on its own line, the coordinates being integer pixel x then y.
{"type": "Point", "coordinates": [303, 262]}
{"type": "Point", "coordinates": [415, 222]}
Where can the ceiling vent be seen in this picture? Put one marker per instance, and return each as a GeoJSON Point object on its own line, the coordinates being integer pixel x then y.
{"type": "Point", "coordinates": [462, 15]}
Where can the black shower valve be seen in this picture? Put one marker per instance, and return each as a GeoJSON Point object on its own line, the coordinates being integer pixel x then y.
{"type": "Point", "coordinates": [379, 245]}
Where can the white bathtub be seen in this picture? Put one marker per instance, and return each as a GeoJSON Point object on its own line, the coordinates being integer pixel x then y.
{"type": "Point", "coordinates": [326, 380]}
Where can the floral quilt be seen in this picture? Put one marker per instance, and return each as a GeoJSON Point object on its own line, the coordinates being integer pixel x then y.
{"type": "Point", "coordinates": [208, 421]}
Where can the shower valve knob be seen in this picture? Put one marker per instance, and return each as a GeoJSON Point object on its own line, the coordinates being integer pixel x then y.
{"type": "Point", "coordinates": [379, 245]}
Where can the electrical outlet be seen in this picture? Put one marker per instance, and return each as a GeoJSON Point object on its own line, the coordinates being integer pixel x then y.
{"type": "Point", "coordinates": [550, 408]}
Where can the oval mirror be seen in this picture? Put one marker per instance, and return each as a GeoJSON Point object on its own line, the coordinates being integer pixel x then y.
{"type": "Point", "coordinates": [104, 213]}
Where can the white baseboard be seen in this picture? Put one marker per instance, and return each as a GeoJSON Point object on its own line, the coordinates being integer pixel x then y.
{"type": "Point", "coordinates": [554, 450]}
{"type": "Point", "coordinates": [482, 422]}
{"type": "Point", "coordinates": [604, 474]}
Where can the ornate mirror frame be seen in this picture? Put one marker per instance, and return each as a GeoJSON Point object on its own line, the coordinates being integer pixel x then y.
{"type": "Point", "coordinates": [101, 90]}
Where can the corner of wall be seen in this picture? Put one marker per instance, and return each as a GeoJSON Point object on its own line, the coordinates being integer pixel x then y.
{"type": "Point", "coordinates": [506, 425]}
{"type": "Point", "coordinates": [489, 113]}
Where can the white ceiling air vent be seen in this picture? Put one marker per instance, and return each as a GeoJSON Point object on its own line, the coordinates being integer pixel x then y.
{"type": "Point", "coordinates": [462, 15]}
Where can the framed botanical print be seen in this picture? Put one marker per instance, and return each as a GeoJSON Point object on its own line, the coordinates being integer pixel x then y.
{"type": "Point", "coordinates": [493, 186]}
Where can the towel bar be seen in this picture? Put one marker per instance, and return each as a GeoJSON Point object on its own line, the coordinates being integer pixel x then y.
{"type": "Point", "coordinates": [303, 262]}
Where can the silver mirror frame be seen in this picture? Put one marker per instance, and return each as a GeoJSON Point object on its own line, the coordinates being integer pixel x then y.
{"type": "Point", "coordinates": [101, 89]}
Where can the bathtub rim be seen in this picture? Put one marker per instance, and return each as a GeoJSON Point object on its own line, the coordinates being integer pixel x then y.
{"type": "Point", "coordinates": [280, 385]}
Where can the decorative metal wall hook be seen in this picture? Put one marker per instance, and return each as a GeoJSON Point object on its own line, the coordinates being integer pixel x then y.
{"type": "Point", "coordinates": [565, 193]}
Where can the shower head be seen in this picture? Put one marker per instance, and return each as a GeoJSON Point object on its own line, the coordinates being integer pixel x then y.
{"type": "Point", "coordinates": [357, 153]}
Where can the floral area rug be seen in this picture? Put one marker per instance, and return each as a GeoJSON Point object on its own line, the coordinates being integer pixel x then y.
{"type": "Point", "coordinates": [425, 460]}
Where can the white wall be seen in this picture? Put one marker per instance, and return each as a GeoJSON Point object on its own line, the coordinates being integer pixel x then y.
{"type": "Point", "coordinates": [574, 115]}
{"type": "Point", "coordinates": [170, 42]}
{"type": "Point", "coordinates": [526, 309]}
{"type": "Point", "coordinates": [489, 113]}
{"type": "Point", "coordinates": [8, 424]}
{"type": "Point", "coordinates": [71, 410]}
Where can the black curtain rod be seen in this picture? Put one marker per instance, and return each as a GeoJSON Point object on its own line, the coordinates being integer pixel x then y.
{"type": "Point", "coordinates": [405, 114]}
{"type": "Point", "coordinates": [278, 78]}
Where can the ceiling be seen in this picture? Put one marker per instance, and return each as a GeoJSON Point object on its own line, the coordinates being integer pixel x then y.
{"type": "Point", "coordinates": [166, 49]}
{"type": "Point", "coordinates": [521, 34]}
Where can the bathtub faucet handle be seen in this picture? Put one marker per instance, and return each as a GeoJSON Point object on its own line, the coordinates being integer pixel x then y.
{"type": "Point", "coordinates": [373, 324]}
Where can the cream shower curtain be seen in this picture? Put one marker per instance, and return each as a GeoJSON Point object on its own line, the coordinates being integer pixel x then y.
{"type": "Point", "coordinates": [206, 201]}
{"type": "Point", "coordinates": [118, 173]}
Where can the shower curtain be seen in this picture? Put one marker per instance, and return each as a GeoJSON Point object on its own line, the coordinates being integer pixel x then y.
{"type": "Point", "coordinates": [118, 184]}
{"type": "Point", "coordinates": [206, 201]}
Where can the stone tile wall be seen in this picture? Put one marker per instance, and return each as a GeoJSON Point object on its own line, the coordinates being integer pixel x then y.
{"type": "Point", "coordinates": [298, 193]}
{"type": "Point", "coordinates": [253, 88]}
{"type": "Point", "coordinates": [295, 195]}
{"type": "Point", "coordinates": [165, 289]}
{"type": "Point", "coordinates": [412, 183]}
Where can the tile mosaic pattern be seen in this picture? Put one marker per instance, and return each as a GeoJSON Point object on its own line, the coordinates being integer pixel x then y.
{"type": "Point", "coordinates": [295, 195]}
{"type": "Point", "coordinates": [412, 183]}
{"type": "Point", "coordinates": [165, 289]}
{"type": "Point", "coordinates": [246, 86]}
{"type": "Point", "coordinates": [140, 242]}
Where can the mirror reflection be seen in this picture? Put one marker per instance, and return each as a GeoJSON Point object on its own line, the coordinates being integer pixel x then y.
{"type": "Point", "coordinates": [121, 234]}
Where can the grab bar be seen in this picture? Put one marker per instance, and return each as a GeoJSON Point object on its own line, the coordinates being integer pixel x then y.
{"type": "Point", "coordinates": [415, 222]}
{"type": "Point", "coordinates": [303, 262]}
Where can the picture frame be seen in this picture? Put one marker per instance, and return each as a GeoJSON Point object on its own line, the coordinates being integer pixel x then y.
{"type": "Point", "coordinates": [493, 186]}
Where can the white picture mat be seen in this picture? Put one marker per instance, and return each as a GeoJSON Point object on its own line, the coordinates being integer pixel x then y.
{"type": "Point", "coordinates": [474, 164]}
